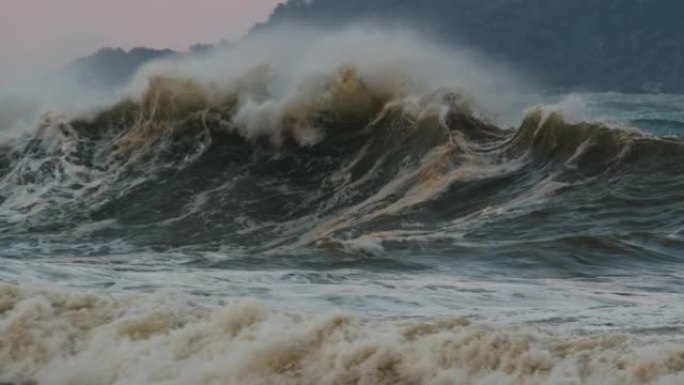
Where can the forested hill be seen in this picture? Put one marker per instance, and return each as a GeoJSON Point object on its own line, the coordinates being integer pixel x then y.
{"type": "Point", "coordinates": [599, 45]}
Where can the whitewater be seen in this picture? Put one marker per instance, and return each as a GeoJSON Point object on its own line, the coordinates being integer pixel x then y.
{"type": "Point", "coordinates": [357, 207]}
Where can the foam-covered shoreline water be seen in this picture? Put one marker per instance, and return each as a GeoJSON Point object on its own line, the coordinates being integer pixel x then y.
{"type": "Point", "coordinates": [61, 338]}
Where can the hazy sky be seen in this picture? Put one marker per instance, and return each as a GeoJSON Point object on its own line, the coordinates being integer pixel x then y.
{"type": "Point", "coordinates": [39, 34]}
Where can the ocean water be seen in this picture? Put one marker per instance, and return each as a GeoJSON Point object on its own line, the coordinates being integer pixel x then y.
{"type": "Point", "coordinates": [349, 229]}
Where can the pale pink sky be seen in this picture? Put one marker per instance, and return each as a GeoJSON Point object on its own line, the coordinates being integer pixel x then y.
{"type": "Point", "coordinates": [39, 34]}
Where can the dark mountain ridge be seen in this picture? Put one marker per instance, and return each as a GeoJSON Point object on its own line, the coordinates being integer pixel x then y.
{"type": "Point", "coordinates": [593, 45]}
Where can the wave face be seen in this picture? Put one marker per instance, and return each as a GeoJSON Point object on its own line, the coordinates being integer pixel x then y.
{"type": "Point", "coordinates": [346, 172]}
{"type": "Point", "coordinates": [355, 176]}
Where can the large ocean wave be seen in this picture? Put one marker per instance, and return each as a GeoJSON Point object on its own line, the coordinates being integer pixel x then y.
{"type": "Point", "coordinates": [343, 167]}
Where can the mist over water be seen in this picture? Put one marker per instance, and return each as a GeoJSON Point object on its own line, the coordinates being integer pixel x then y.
{"type": "Point", "coordinates": [355, 207]}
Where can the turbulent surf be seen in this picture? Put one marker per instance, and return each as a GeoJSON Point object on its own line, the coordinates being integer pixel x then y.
{"type": "Point", "coordinates": [356, 186]}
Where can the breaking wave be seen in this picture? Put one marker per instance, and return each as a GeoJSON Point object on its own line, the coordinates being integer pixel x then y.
{"type": "Point", "coordinates": [343, 165]}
